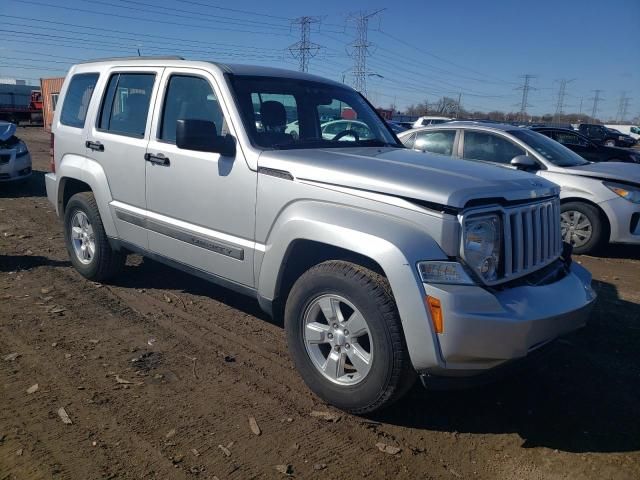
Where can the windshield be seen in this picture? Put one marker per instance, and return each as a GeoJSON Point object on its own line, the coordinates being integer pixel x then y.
{"type": "Point", "coordinates": [549, 149]}
{"type": "Point", "coordinates": [283, 113]}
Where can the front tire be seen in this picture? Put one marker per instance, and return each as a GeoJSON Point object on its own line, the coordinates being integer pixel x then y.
{"type": "Point", "coordinates": [582, 226]}
{"type": "Point", "coordinates": [87, 242]}
{"type": "Point", "coordinates": [345, 337]}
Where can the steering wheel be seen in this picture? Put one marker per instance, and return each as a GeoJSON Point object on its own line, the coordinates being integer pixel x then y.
{"type": "Point", "coordinates": [344, 133]}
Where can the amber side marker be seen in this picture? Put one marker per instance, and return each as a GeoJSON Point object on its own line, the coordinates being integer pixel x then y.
{"type": "Point", "coordinates": [436, 313]}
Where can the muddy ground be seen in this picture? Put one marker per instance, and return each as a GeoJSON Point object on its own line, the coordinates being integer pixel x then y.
{"type": "Point", "coordinates": [159, 373]}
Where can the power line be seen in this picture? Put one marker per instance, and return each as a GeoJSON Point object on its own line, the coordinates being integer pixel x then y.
{"type": "Point", "coordinates": [145, 19]}
{"type": "Point", "coordinates": [361, 50]}
{"type": "Point", "coordinates": [304, 49]}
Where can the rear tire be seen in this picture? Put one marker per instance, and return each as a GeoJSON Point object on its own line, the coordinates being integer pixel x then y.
{"type": "Point", "coordinates": [582, 226]}
{"type": "Point", "coordinates": [358, 299]}
{"type": "Point", "coordinates": [87, 242]}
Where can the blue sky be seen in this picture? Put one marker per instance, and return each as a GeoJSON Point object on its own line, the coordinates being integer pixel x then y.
{"type": "Point", "coordinates": [421, 49]}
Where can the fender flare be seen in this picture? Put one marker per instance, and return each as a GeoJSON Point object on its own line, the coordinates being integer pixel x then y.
{"type": "Point", "coordinates": [90, 172]}
{"type": "Point", "coordinates": [395, 244]}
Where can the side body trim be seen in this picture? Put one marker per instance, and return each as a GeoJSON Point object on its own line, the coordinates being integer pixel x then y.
{"type": "Point", "coordinates": [212, 240]}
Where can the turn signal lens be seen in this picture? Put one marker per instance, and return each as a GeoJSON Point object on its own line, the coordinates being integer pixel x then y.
{"type": "Point", "coordinates": [435, 310]}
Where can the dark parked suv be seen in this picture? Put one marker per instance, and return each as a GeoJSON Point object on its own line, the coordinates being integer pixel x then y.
{"type": "Point", "coordinates": [605, 136]}
{"type": "Point", "coordinates": [588, 149]}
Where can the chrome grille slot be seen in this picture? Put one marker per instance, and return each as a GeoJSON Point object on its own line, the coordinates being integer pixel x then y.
{"type": "Point", "coordinates": [532, 237]}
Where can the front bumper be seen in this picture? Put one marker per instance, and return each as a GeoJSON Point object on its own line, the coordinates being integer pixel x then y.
{"type": "Point", "coordinates": [14, 168]}
{"type": "Point", "coordinates": [624, 220]}
{"type": "Point", "coordinates": [484, 329]}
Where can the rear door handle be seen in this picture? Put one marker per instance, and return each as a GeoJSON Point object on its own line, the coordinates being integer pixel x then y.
{"type": "Point", "coordinates": [157, 159]}
{"type": "Point", "coordinates": [95, 146]}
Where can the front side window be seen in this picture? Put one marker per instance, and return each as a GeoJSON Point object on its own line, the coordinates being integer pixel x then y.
{"type": "Point", "coordinates": [77, 99]}
{"type": "Point", "coordinates": [568, 138]}
{"type": "Point", "coordinates": [125, 105]}
{"type": "Point", "coordinates": [189, 98]}
{"type": "Point", "coordinates": [440, 141]}
{"type": "Point", "coordinates": [283, 113]}
{"type": "Point", "coordinates": [549, 149]}
{"type": "Point", "coordinates": [489, 147]}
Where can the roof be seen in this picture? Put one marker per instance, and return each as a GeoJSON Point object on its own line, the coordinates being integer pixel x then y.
{"type": "Point", "coordinates": [233, 68]}
{"type": "Point", "coordinates": [468, 123]}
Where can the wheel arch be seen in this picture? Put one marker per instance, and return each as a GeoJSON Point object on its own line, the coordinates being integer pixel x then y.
{"type": "Point", "coordinates": [316, 231]}
{"type": "Point", "coordinates": [80, 174]}
{"type": "Point", "coordinates": [606, 222]}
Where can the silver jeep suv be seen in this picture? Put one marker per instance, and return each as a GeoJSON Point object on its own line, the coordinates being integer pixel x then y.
{"type": "Point", "coordinates": [386, 264]}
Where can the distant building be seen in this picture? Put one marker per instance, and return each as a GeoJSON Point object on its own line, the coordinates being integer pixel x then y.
{"type": "Point", "coordinates": [50, 88]}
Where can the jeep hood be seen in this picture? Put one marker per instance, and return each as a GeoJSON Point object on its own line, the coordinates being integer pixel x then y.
{"type": "Point", "coordinates": [7, 130]}
{"type": "Point", "coordinates": [622, 172]}
{"type": "Point", "coordinates": [409, 174]}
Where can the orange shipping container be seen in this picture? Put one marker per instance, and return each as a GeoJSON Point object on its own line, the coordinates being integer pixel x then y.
{"type": "Point", "coordinates": [50, 90]}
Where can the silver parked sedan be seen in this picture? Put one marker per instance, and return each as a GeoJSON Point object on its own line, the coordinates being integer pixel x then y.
{"type": "Point", "coordinates": [15, 160]}
{"type": "Point", "coordinates": [600, 201]}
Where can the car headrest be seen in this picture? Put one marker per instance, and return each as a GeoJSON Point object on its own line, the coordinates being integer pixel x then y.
{"type": "Point", "coordinates": [273, 114]}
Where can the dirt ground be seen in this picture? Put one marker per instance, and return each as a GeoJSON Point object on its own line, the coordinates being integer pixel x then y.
{"type": "Point", "coordinates": [160, 372]}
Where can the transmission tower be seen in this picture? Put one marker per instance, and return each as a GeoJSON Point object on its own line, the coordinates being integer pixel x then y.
{"type": "Point", "coordinates": [360, 50]}
{"type": "Point", "coordinates": [623, 107]}
{"type": "Point", "coordinates": [596, 100]}
{"type": "Point", "coordinates": [304, 49]}
{"type": "Point", "coordinates": [526, 88]}
{"type": "Point", "coordinates": [562, 92]}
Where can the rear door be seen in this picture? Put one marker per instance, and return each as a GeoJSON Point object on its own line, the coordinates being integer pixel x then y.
{"type": "Point", "coordinates": [118, 141]}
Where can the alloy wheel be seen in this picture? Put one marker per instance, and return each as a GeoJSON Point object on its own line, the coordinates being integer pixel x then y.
{"type": "Point", "coordinates": [338, 340]}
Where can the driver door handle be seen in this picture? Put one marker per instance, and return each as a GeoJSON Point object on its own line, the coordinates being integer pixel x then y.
{"type": "Point", "coordinates": [157, 159]}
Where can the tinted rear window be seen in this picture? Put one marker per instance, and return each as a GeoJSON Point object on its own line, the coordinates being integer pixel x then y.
{"type": "Point", "coordinates": [77, 99]}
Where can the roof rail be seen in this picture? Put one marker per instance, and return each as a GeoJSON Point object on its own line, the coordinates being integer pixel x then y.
{"type": "Point", "coordinates": [147, 57]}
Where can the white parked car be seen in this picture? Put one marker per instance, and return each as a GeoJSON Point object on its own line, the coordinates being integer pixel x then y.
{"type": "Point", "coordinates": [346, 130]}
{"type": "Point", "coordinates": [425, 121]}
{"type": "Point", "coordinates": [600, 202]}
{"type": "Point", "coordinates": [15, 160]}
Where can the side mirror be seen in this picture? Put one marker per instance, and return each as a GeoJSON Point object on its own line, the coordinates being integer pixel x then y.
{"type": "Point", "coordinates": [522, 162]}
{"type": "Point", "coordinates": [202, 136]}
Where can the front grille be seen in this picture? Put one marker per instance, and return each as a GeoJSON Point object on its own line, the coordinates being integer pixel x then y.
{"type": "Point", "coordinates": [4, 159]}
{"type": "Point", "coordinates": [532, 237]}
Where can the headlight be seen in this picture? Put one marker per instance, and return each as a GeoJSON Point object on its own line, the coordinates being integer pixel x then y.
{"type": "Point", "coordinates": [481, 245]}
{"type": "Point", "coordinates": [625, 191]}
{"type": "Point", "coordinates": [443, 272]}
{"type": "Point", "coordinates": [21, 149]}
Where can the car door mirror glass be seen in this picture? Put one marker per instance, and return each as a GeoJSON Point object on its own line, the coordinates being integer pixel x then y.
{"type": "Point", "coordinates": [523, 162]}
{"type": "Point", "coordinates": [201, 136]}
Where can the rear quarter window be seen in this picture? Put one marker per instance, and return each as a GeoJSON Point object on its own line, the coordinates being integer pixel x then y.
{"type": "Point", "coordinates": [77, 99]}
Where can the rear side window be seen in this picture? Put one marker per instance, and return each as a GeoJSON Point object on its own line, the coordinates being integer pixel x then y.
{"type": "Point", "coordinates": [125, 105]}
{"type": "Point", "coordinates": [489, 147]}
{"type": "Point", "coordinates": [439, 141]}
{"type": "Point", "coordinates": [77, 99]}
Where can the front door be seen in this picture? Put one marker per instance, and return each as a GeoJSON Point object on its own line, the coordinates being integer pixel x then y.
{"type": "Point", "coordinates": [118, 139]}
{"type": "Point", "coordinates": [201, 205]}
